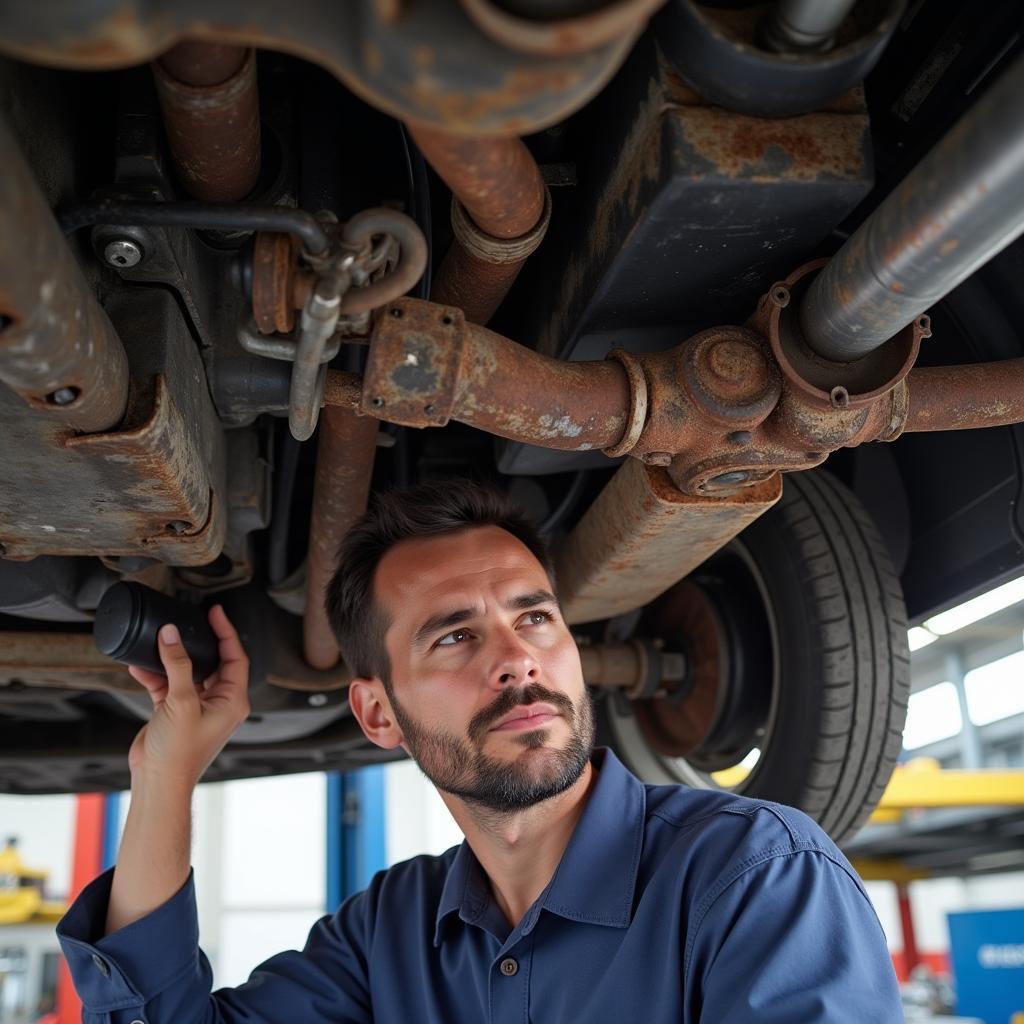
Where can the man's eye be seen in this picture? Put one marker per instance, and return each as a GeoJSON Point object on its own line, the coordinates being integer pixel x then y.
{"type": "Point", "coordinates": [456, 637]}
{"type": "Point", "coordinates": [539, 618]}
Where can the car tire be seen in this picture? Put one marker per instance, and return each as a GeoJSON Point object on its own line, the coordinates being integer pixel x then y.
{"type": "Point", "coordinates": [810, 656]}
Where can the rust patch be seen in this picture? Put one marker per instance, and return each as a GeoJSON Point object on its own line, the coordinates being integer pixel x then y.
{"type": "Point", "coordinates": [802, 148]}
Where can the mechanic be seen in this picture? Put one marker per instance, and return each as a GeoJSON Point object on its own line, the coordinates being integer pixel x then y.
{"type": "Point", "coordinates": [579, 894]}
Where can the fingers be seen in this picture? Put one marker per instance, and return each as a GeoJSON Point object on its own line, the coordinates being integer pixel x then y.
{"type": "Point", "coordinates": [234, 663]}
{"type": "Point", "coordinates": [154, 683]}
{"type": "Point", "coordinates": [176, 662]}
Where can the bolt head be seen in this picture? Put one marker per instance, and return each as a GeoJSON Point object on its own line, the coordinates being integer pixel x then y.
{"type": "Point", "coordinates": [63, 396]}
{"type": "Point", "coordinates": [122, 253]}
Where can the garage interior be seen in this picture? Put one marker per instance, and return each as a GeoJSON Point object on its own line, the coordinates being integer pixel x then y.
{"type": "Point", "coordinates": [687, 256]}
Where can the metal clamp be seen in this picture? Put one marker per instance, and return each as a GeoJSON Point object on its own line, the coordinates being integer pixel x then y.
{"type": "Point", "coordinates": [637, 403]}
{"type": "Point", "coordinates": [489, 249]}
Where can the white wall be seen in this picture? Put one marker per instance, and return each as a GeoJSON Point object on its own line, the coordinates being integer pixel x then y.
{"type": "Point", "coordinates": [417, 819]}
{"type": "Point", "coordinates": [45, 828]}
{"type": "Point", "coordinates": [259, 854]}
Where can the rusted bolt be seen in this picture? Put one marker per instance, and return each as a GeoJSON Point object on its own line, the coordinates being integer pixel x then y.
{"type": "Point", "coordinates": [780, 296]}
{"type": "Point", "coordinates": [377, 402]}
{"type": "Point", "coordinates": [726, 479]}
{"type": "Point", "coordinates": [429, 410]}
{"type": "Point", "coordinates": [122, 253]}
{"type": "Point", "coordinates": [395, 312]}
{"type": "Point", "coordinates": [178, 526]}
{"type": "Point", "coordinates": [733, 370]}
{"type": "Point", "coordinates": [839, 397]}
{"type": "Point", "coordinates": [740, 437]}
{"type": "Point", "coordinates": [657, 458]}
{"type": "Point", "coordinates": [63, 396]}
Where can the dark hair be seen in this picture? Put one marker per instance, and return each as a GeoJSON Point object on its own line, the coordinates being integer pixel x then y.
{"type": "Point", "coordinates": [426, 510]}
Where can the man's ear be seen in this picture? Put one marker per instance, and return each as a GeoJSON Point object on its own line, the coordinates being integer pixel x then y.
{"type": "Point", "coordinates": [372, 709]}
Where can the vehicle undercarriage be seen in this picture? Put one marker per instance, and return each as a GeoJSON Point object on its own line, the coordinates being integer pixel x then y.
{"type": "Point", "coordinates": [720, 293]}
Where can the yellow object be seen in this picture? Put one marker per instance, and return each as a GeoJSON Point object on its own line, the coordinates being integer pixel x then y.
{"type": "Point", "coordinates": [922, 783]}
{"type": "Point", "coordinates": [727, 778]}
{"type": "Point", "coordinates": [21, 891]}
{"type": "Point", "coordinates": [877, 869]}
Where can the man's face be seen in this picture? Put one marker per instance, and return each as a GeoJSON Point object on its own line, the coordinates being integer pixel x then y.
{"type": "Point", "coordinates": [486, 684]}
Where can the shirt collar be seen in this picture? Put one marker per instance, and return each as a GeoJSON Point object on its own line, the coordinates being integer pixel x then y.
{"type": "Point", "coordinates": [596, 877]}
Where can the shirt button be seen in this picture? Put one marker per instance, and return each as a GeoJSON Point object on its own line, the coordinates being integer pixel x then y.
{"type": "Point", "coordinates": [508, 967]}
{"type": "Point", "coordinates": [101, 965]}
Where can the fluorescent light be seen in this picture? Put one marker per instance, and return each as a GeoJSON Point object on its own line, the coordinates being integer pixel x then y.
{"type": "Point", "coordinates": [919, 637]}
{"type": "Point", "coordinates": [977, 608]}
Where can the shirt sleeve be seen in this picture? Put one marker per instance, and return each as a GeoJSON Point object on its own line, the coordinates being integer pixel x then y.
{"type": "Point", "coordinates": [789, 937]}
{"type": "Point", "coordinates": [153, 971]}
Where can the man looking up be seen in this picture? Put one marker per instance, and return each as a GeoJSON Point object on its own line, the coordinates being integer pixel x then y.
{"type": "Point", "coordinates": [580, 894]}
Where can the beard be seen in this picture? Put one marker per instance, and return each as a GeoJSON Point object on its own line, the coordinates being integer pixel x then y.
{"type": "Point", "coordinates": [458, 766]}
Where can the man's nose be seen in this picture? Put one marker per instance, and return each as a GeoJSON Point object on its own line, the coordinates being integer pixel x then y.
{"type": "Point", "coordinates": [514, 662]}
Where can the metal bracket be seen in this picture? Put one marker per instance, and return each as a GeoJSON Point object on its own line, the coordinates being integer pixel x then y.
{"type": "Point", "coordinates": [413, 369]}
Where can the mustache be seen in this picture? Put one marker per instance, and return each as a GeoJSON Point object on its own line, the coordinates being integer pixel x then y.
{"type": "Point", "coordinates": [513, 697]}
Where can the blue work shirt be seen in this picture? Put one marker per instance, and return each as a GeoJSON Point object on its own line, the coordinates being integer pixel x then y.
{"type": "Point", "coordinates": [669, 904]}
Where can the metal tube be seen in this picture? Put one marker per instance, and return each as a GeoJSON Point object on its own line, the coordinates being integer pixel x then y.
{"type": "Point", "coordinates": [210, 104]}
{"type": "Point", "coordinates": [959, 207]}
{"type": "Point", "coordinates": [965, 397]}
{"type": "Point", "coordinates": [498, 218]}
{"type": "Point", "coordinates": [508, 389]}
{"type": "Point", "coordinates": [800, 25]}
{"type": "Point", "coordinates": [203, 216]}
{"type": "Point", "coordinates": [496, 180]}
{"type": "Point", "coordinates": [58, 350]}
{"type": "Point", "coordinates": [344, 464]}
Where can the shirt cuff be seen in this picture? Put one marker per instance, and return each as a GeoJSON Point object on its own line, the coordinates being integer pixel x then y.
{"type": "Point", "coordinates": [135, 963]}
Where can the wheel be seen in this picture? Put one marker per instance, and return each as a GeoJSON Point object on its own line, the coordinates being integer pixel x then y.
{"type": "Point", "coordinates": [798, 669]}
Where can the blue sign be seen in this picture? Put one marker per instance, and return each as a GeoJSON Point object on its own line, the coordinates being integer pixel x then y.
{"type": "Point", "coordinates": [986, 951]}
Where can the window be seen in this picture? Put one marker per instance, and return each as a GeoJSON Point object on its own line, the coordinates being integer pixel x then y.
{"type": "Point", "coordinates": [932, 715]}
